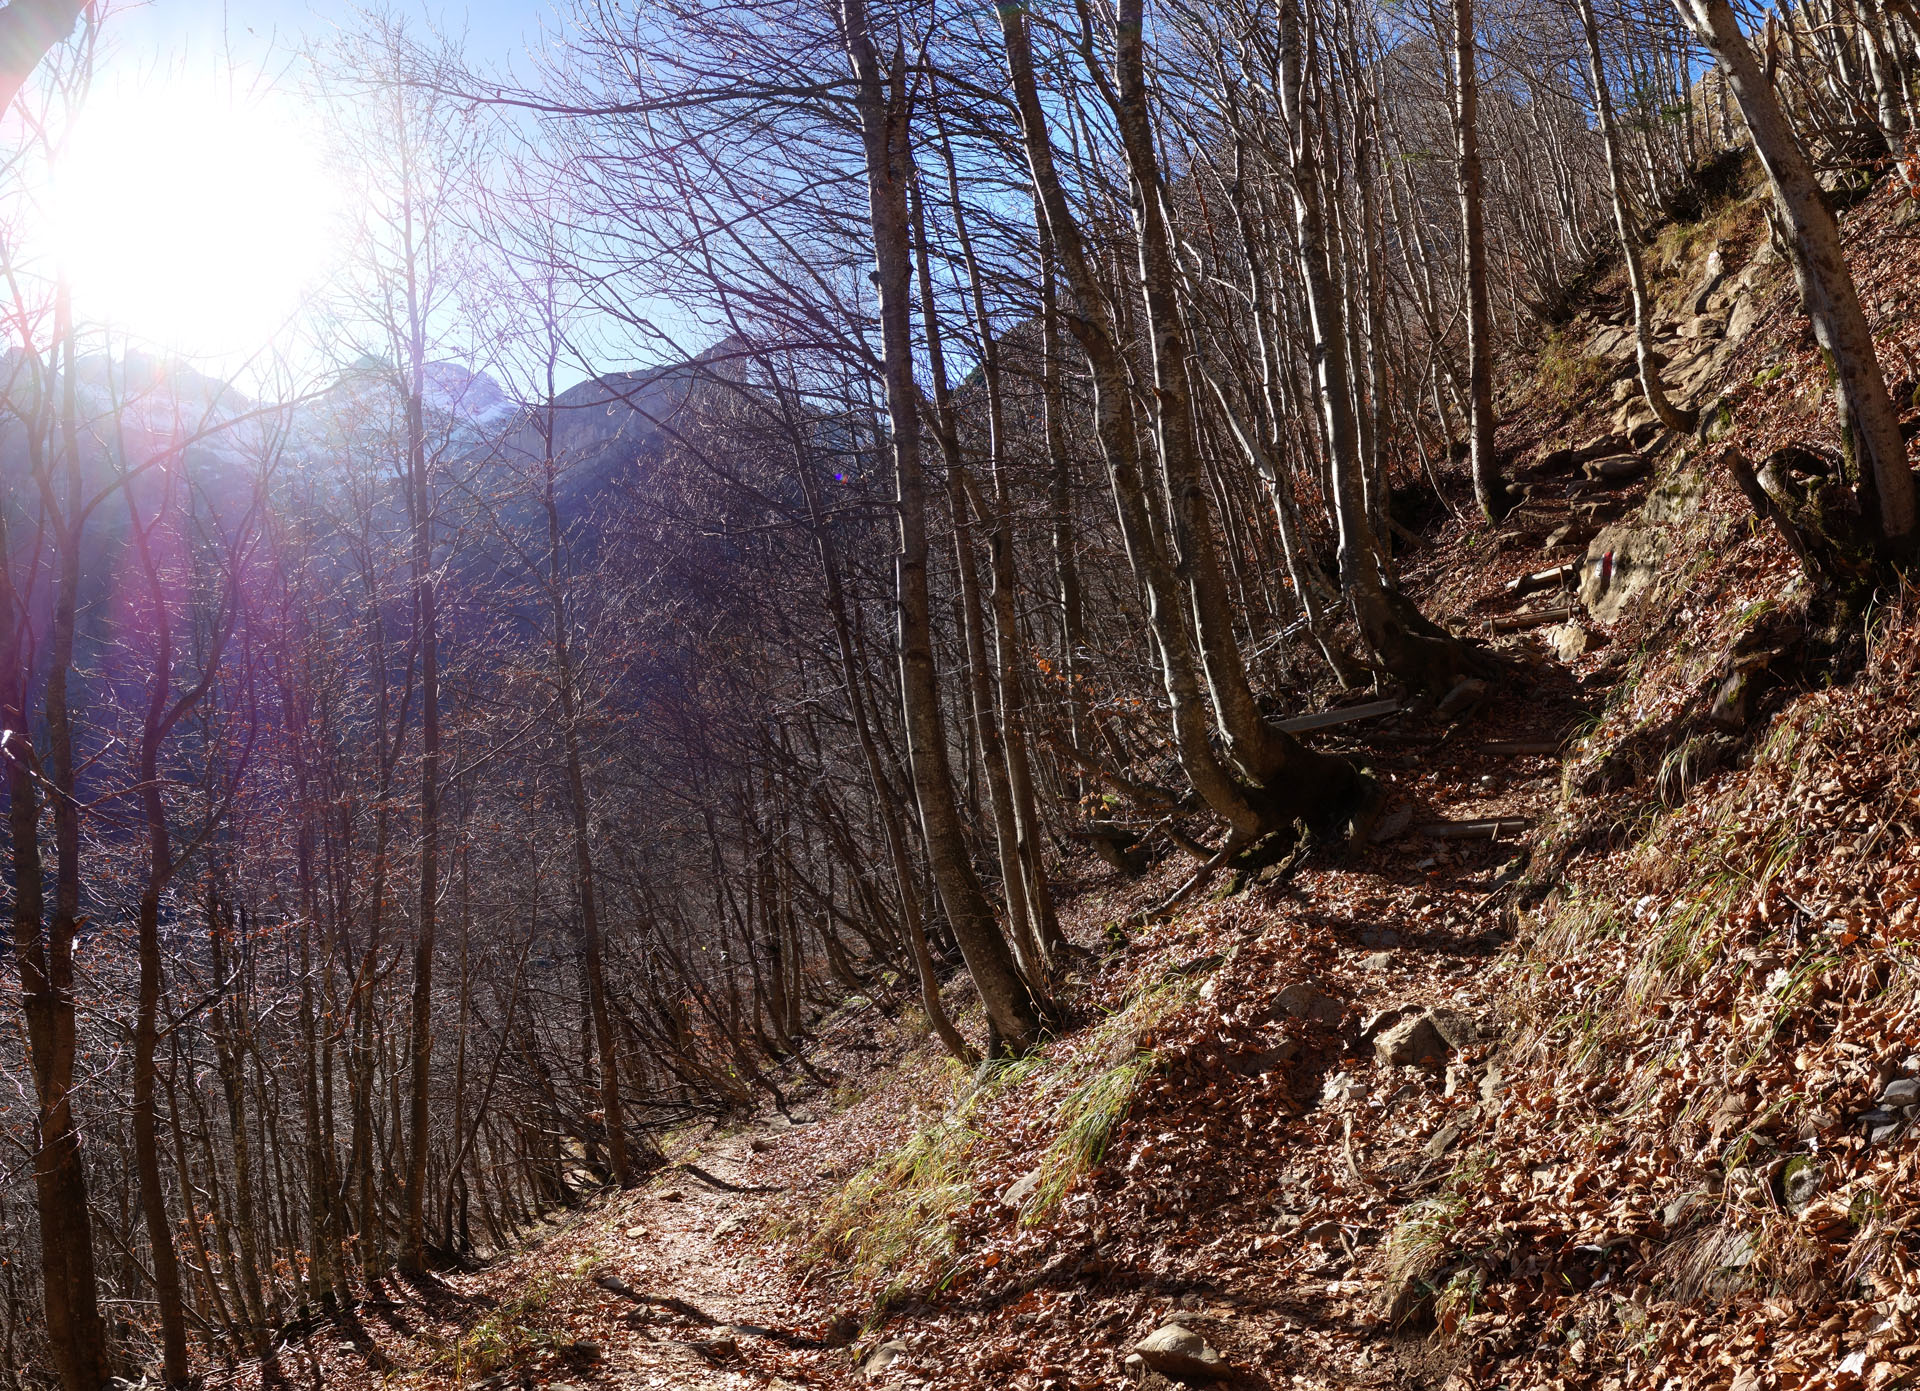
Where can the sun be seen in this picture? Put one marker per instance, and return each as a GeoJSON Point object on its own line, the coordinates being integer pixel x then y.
{"type": "Point", "coordinates": [195, 215]}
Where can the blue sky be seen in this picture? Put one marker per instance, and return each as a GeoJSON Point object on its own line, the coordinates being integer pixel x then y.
{"type": "Point", "coordinates": [163, 31]}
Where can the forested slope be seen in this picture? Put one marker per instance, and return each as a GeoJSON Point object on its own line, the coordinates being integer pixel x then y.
{"type": "Point", "coordinates": [1250, 724]}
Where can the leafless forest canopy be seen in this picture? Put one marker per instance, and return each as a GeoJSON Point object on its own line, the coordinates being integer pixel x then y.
{"type": "Point", "coordinates": [775, 483]}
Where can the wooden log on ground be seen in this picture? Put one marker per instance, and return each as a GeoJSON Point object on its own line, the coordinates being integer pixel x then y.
{"type": "Point", "coordinates": [1551, 578]}
{"type": "Point", "coordinates": [1476, 830]}
{"type": "Point", "coordinates": [1534, 618]}
{"type": "Point", "coordinates": [1326, 719]}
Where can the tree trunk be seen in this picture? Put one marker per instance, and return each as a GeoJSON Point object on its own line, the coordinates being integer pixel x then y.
{"type": "Point", "coordinates": [1868, 421]}
{"type": "Point", "coordinates": [1489, 488]}
{"type": "Point", "coordinates": [1682, 422]}
{"type": "Point", "coordinates": [882, 106]}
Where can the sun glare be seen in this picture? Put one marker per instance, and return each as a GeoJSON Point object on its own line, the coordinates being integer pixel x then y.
{"type": "Point", "coordinates": [193, 218]}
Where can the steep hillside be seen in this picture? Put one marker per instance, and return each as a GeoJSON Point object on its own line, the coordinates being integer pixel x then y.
{"type": "Point", "coordinates": [1594, 1067]}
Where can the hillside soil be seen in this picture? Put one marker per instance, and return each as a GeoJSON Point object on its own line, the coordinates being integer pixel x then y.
{"type": "Point", "coordinates": [1585, 1073]}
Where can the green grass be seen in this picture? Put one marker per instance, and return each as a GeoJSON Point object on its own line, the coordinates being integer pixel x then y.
{"type": "Point", "coordinates": [506, 1337]}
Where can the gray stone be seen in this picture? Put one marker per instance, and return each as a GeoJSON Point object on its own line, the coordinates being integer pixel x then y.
{"type": "Point", "coordinates": [1494, 1084]}
{"type": "Point", "coordinates": [1904, 1092]}
{"type": "Point", "coordinates": [1687, 1205]}
{"type": "Point", "coordinates": [1377, 961]}
{"type": "Point", "coordinates": [1305, 1000]}
{"type": "Point", "coordinates": [1458, 1028]}
{"type": "Point", "coordinates": [1609, 341]}
{"type": "Point", "coordinates": [1702, 326]}
{"type": "Point", "coordinates": [1394, 824]}
{"type": "Point", "coordinates": [1800, 1182]}
{"type": "Point", "coordinates": [1743, 319]}
{"type": "Point", "coordinates": [1619, 468]}
{"type": "Point", "coordinates": [1411, 1042]}
{"type": "Point", "coordinates": [1446, 1137]}
{"type": "Point", "coordinates": [883, 1357]}
{"type": "Point", "coordinates": [1343, 1086]}
{"type": "Point", "coordinates": [1569, 641]}
{"type": "Point", "coordinates": [1462, 699]}
{"type": "Point", "coordinates": [1624, 561]}
{"type": "Point", "coordinates": [1185, 1356]}
{"type": "Point", "coordinates": [1021, 1189]}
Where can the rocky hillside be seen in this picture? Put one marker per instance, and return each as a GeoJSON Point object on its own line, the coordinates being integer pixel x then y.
{"type": "Point", "coordinates": [1595, 1067]}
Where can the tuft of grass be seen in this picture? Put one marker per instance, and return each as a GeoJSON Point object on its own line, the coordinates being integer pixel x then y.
{"type": "Point", "coordinates": [1565, 376]}
{"type": "Point", "coordinates": [508, 1336]}
{"type": "Point", "coordinates": [1087, 1117]}
{"type": "Point", "coordinates": [892, 1224]}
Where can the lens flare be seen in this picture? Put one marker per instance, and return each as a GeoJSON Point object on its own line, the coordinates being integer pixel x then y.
{"type": "Point", "coordinates": [194, 214]}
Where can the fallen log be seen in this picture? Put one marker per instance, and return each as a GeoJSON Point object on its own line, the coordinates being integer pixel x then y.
{"type": "Point", "coordinates": [1476, 830]}
{"type": "Point", "coordinates": [1534, 618]}
{"type": "Point", "coordinates": [1326, 719]}
{"type": "Point", "coordinates": [1549, 578]}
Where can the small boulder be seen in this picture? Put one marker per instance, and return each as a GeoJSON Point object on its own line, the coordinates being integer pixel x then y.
{"type": "Point", "coordinates": [1569, 641]}
{"type": "Point", "coordinates": [1619, 468]}
{"type": "Point", "coordinates": [1343, 1086]}
{"type": "Point", "coordinates": [1743, 320]}
{"type": "Point", "coordinates": [883, 1357]}
{"type": "Point", "coordinates": [1021, 1189]}
{"type": "Point", "coordinates": [1493, 1084]}
{"type": "Point", "coordinates": [1394, 824]}
{"type": "Point", "coordinates": [1305, 1000]}
{"type": "Point", "coordinates": [1460, 1029]}
{"type": "Point", "coordinates": [1179, 1353]}
{"type": "Point", "coordinates": [1904, 1091]}
{"type": "Point", "coordinates": [1462, 699]}
{"type": "Point", "coordinates": [1377, 961]}
{"type": "Point", "coordinates": [1412, 1042]}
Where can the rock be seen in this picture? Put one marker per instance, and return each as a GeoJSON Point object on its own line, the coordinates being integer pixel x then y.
{"type": "Point", "coordinates": [1378, 961]}
{"type": "Point", "coordinates": [1305, 1000]}
{"type": "Point", "coordinates": [1742, 321]}
{"type": "Point", "coordinates": [1176, 1352]}
{"type": "Point", "coordinates": [1702, 326]}
{"type": "Point", "coordinates": [1904, 1092]}
{"type": "Point", "coordinates": [1343, 1086]}
{"type": "Point", "coordinates": [1382, 1019]}
{"type": "Point", "coordinates": [1607, 342]}
{"type": "Point", "coordinates": [1624, 560]}
{"type": "Point", "coordinates": [883, 1357]}
{"type": "Point", "coordinates": [1493, 1084]}
{"type": "Point", "coordinates": [1800, 1182]}
{"type": "Point", "coordinates": [1446, 1137]}
{"type": "Point", "coordinates": [1710, 279]}
{"type": "Point", "coordinates": [731, 1227]}
{"type": "Point", "coordinates": [759, 1144]}
{"type": "Point", "coordinates": [1135, 1367]}
{"type": "Point", "coordinates": [719, 1346]}
{"type": "Point", "coordinates": [1458, 1028]}
{"type": "Point", "coordinates": [1021, 1189]}
{"type": "Point", "coordinates": [1412, 1042]}
{"type": "Point", "coordinates": [1394, 824]}
{"type": "Point", "coordinates": [1569, 641]}
{"type": "Point", "coordinates": [1619, 468]}
{"type": "Point", "coordinates": [1567, 534]}
{"type": "Point", "coordinates": [1462, 699]}
{"type": "Point", "coordinates": [1687, 1205]}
